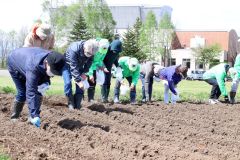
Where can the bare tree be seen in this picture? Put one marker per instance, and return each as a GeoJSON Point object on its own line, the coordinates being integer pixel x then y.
{"type": "Point", "coordinates": [4, 46]}
{"type": "Point", "coordinates": [21, 36]}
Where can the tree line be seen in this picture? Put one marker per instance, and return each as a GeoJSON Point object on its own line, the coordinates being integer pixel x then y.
{"type": "Point", "coordinates": [84, 19]}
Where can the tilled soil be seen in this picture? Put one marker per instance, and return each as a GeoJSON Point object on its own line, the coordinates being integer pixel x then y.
{"type": "Point", "coordinates": [107, 131]}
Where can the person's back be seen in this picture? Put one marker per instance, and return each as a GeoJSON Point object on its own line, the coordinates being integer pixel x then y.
{"type": "Point", "coordinates": [168, 73]}
{"type": "Point", "coordinates": [112, 55]}
{"type": "Point", "coordinates": [215, 72]}
{"type": "Point", "coordinates": [27, 58]}
{"type": "Point", "coordinates": [40, 36]}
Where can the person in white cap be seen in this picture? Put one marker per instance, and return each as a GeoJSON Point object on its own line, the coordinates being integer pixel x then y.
{"type": "Point", "coordinates": [129, 68]}
{"type": "Point", "coordinates": [97, 65]}
{"type": "Point", "coordinates": [79, 57]}
{"type": "Point", "coordinates": [149, 72]}
{"type": "Point", "coordinates": [40, 36]}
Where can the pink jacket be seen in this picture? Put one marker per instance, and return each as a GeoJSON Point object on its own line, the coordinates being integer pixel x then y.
{"type": "Point", "coordinates": [32, 41]}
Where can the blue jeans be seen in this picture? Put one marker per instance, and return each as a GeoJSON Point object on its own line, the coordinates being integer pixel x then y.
{"type": "Point", "coordinates": [20, 83]}
{"type": "Point", "coordinates": [67, 78]}
{"type": "Point", "coordinates": [132, 92]}
{"type": "Point", "coordinates": [146, 94]}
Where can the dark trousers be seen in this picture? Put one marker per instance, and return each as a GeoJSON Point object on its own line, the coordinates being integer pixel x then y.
{"type": "Point", "coordinates": [132, 92]}
{"type": "Point", "coordinates": [92, 85]}
{"type": "Point", "coordinates": [146, 87]}
{"type": "Point", "coordinates": [67, 78]}
{"type": "Point", "coordinates": [215, 92]}
{"type": "Point", "coordinates": [108, 76]}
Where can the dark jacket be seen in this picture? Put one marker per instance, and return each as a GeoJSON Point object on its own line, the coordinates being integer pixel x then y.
{"type": "Point", "coordinates": [169, 74]}
{"type": "Point", "coordinates": [28, 63]}
{"type": "Point", "coordinates": [112, 55]}
{"type": "Point", "coordinates": [77, 61]}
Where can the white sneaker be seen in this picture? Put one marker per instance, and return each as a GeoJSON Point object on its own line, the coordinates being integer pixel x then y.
{"type": "Point", "coordinates": [212, 101]}
{"type": "Point", "coordinates": [217, 101]}
{"type": "Point", "coordinates": [116, 100]}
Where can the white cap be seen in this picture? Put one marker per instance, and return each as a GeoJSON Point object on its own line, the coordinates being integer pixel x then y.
{"type": "Point", "coordinates": [133, 64]}
{"type": "Point", "coordinates": [103, 43]}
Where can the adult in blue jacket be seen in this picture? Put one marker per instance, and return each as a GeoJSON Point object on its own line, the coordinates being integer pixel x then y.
{"type": "Point", "coordinates": [79, 57]}
{"type": "Point", "coordinates": [171, 76]}
{"type": "Point", "coordinates": [31, 68]}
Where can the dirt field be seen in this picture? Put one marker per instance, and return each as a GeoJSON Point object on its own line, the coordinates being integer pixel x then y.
{"type": "Point", "coordinates": [153, 131]}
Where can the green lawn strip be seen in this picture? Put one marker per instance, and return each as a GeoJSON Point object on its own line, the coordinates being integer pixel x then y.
{"type": "Point", "coordinates": [196, 91]}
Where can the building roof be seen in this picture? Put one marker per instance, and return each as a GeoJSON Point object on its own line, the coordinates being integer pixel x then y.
{"type": "Point", "coordinates": [182, 38]}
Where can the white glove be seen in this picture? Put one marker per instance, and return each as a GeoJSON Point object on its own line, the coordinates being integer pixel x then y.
{"type": "Point", "coordinates": [43, 88]}
{"type": "Point", "coordinates": [119, 74]}
{"type": "Point", "coordinates": [85, 84]}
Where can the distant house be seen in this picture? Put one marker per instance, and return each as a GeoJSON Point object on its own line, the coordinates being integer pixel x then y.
{"type": "Point", "coordinates": [125, 16]}
{"type": "Point", "coordinates": [182, 53]}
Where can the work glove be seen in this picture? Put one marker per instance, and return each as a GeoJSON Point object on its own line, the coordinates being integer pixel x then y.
{"type": "Point", "coordinates": [226, 99]}
{"type": "Point", "coordinates": [43, 88]}
{"type": "Point", "coordinates": [35, 121]}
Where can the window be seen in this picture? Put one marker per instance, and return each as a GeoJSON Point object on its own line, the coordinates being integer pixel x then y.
{"type": "Point", "coordinates": [200, 66]}
{"type": "Point", "coordinates": [186, 62]}
{"type": "Point", "coordinates": [173, 61]}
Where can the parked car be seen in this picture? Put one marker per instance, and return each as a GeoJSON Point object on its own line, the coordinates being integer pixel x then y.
{"type": "Point", "coordinates": [195, 75]}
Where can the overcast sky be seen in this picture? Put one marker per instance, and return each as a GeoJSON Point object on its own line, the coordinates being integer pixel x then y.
{"type": "Point", "coordinates": [187, 14]}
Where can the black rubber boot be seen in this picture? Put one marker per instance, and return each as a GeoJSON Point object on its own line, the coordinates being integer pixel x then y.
{"type": "Point", "coordinates": [17, 109]}
{"type": "Point", "coordinates": [78, 100]}
{"type": "Point", "coordinates": [232, 97]}
{"type": "Point", "coordinates": [91, 92]}
{"type": "Point", "coordinates": [71, 104]}
{"type": "Point", "coordinates": [105, 93]}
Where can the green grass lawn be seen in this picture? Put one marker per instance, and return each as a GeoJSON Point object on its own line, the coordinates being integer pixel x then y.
{"type": "Point", "coordinates": [3, 156]}
{"type": "Point", "coordinates": [189, 90]}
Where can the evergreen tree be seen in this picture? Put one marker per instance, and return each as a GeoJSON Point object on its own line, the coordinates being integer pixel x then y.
{"type": "Point", "coordinates": [108, 34]}
{"type": "Point", "coordinates": [131, 45]}
{"type": "Point", "coordinates": [79, 31]}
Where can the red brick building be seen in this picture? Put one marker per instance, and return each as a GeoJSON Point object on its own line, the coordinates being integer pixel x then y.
{"type": "Point", "coordinates": [228, 40]}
